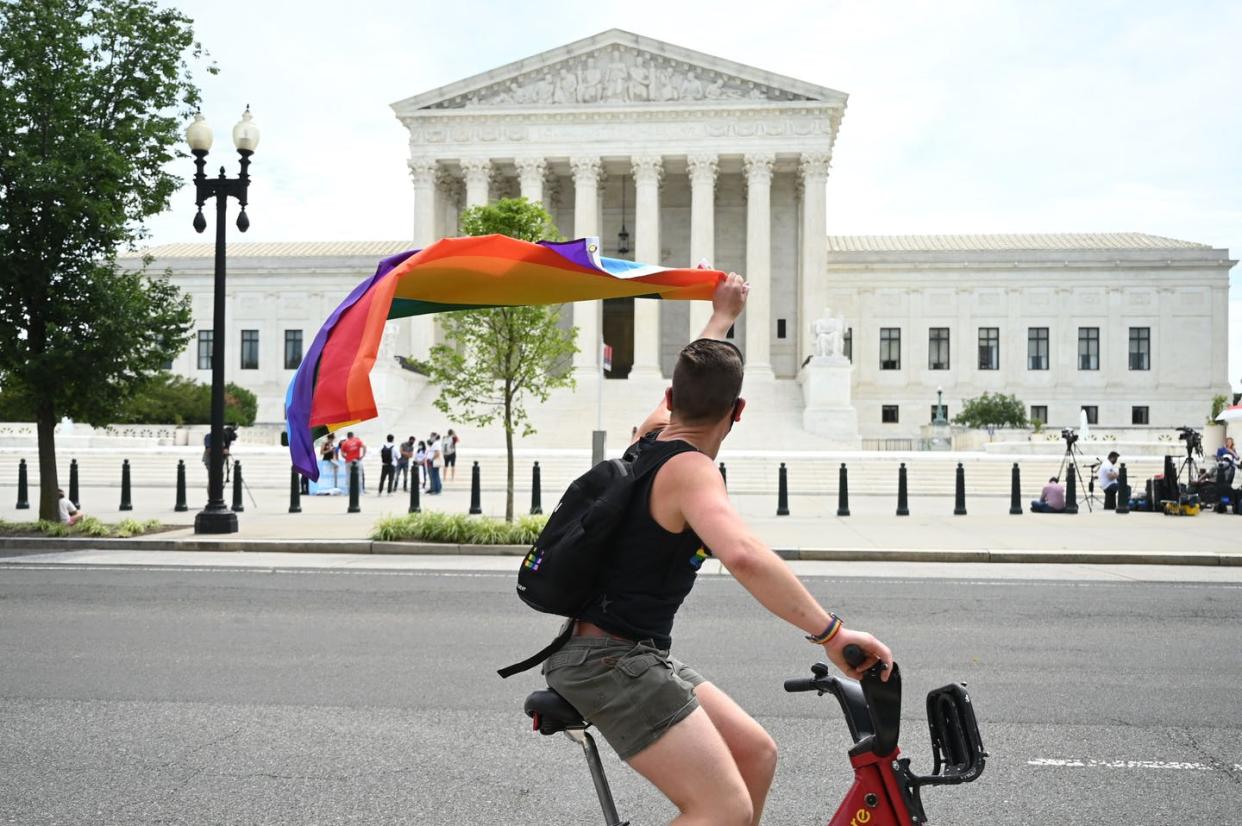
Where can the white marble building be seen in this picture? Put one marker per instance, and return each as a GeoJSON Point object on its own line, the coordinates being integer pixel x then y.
{"type": "Point", "coordinates": [698, 158]}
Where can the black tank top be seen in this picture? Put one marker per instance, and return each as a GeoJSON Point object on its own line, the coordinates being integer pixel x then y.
{"type": "Point", "coordinates": [651, 569]}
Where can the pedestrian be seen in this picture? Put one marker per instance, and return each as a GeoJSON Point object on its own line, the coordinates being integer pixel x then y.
{"type": "Point", "coordinates": [230, 436]}
{"type": "Point", "coordinates": [388, 465]}
{"type": "Point", "coordinates": [403, 463]}
{"type": "Point", "coordinates": [449, 449]}
{"type": "Point", "coordinates": [354, 450]}
{"type": "Point", "coordinates": [69, 513]}
{"type": "Point", "coordinates": [420, 465]}
{"type": "Point", "coordinates": [435, 462]}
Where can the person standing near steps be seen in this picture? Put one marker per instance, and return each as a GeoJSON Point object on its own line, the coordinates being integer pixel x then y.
{"type": "Point", "coordinates": [673, 726]}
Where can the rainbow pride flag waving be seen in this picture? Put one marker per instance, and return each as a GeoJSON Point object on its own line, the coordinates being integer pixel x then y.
{"type": "Point", "coordinates": [332, 387]}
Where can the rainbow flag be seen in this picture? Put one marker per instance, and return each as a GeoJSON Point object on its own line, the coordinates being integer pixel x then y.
{"type": "Point", "coordinates": [332, 387]}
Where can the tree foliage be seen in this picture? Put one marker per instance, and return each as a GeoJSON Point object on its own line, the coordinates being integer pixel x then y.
{"type": "Point", "coordinates": [992, 409]}
{"type": "Point", "coordinates": [92, 96]}
{"type": "Point", "coordinates": [498, 360]}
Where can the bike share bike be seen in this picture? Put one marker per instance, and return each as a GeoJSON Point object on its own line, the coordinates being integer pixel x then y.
{"type": "Point", "coordinates": [886, 792]}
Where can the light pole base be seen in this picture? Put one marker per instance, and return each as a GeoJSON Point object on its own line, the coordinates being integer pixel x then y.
{"type": "Point", "coordinates": [215, 521]}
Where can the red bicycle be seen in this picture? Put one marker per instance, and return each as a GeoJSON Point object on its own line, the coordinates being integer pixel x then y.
{"type": "Point", "coordinates": [885, 792]}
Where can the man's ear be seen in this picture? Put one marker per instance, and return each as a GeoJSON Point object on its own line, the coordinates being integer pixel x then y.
{"type": "Point", "coordinates": [668, 398]}
{"type": "Point", "coordinates": [738, 407]}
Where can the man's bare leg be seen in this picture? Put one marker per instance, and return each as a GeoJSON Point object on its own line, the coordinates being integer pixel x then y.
{"type": "Point", "coordinates": [692, 766]}
{"type": "Point", "coordinates": [753, 749]}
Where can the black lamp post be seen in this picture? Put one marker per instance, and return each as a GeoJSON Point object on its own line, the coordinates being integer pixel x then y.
{"type": "Point", "coordinates": [623, 237]}
{"type": "Point", "coordinates": [217, 517]}
{"type": "Point", "coordinates": [939, 420]}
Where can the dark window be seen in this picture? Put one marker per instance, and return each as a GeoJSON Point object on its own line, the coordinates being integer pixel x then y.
{"type": "Point", "coordinates": [780, 328]}
{"type": "Point", "coordinates": [888, 414]}
{"type": "Point", "coordinates": [1140, 350]}
{"type": "Point", "coordinates": [890, 349]}
{"type": "Point", "coordinates": [293, 349]}
{"type": "Point", "coordinates": [1039, 413]}
{"type": "Point", "coordinates": [1093, 413]}
{"type": "Point", "coordinates": [204, 349]}
{"type": "Point", "coordinates": [250, 350]}
{"type": "Point", "coordinates": [942, 409]}
{"type": "Point", "coordinates": [1088, 348]}
{"type": "Point", "coordinates": [938, 348]}
{"type": "Point", "coordinates": [989, 348]}
{"type": "Point", "coordinates": [849, 343]}
{"type": "Point", "coordinates": [1037, 348]}
{"type": "Point", "coordinates": [1139, 415]}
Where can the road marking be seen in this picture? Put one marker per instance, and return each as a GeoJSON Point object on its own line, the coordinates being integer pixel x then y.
{"type": "Point", "coordinates": [1161, 765]}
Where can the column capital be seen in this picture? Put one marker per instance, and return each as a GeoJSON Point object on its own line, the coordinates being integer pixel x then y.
{"type": "Point", "coordinates": [534, 167]}
{"type": "Point", "coordinates": [478, 170]}
{"type": "Point", "coordinates": [423, 171]}
{"type": "Point", "coordinates": [586, 169]}
{"type": "Point", "coordinates": [647, 168]}
{"type": "Point", "coordinates": [450, 185]}
{"type": "Point", "coordinates": [702, 168]}
{"type": "Point", "coordinates": [814, 165]}
{"type": "Point", "coordinates": [758, 166]}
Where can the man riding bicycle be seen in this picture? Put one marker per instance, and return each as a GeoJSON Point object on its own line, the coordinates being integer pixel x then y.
{"type": "Point", "coordinates": [681, 732]}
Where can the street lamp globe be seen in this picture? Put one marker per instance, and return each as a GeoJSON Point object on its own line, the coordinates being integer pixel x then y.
{"type": "Point", "coordinates": [199, 134]}
{"type": "Point", "coordinates": [246, 133]}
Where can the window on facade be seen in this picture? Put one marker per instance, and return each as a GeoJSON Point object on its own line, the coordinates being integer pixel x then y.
{"type": "Point", "coordinates": [1139, 415]}
{"type": "Point", "coordinates": [989, 348]}
{"type": "Point", "coordinates": [849, 343]}
{"type": "Point", "coordinates": [293, 349]}
{"type": "Point", "coordinates": [1140, 350]}
{"type": "Point", "coordinates": [890, 348]}
{"type": "Point", "coordinates": [888, 414]}
{"type": "Point", "coordinates": [780, 328]}
{"type": "Point", "coordinates": [250, 350]}
{"type": "Point", "coordinates": [942, 409]}
{"type": "Point", "coordinates": [1093, 413]}
{"type": "Point", "coordinates": [938, 348]}
{"type": "Point", "coordinates": [1037, 348]}
{"type": "Point", "coordinates": [204, 349]}
{"type": "Point", "coordinates": [1088, 348]}
{"type": "Point", "coordinates": [1039, 413]}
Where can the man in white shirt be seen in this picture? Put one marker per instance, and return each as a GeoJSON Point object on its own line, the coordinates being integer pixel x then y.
{"type": "Point", "coordinates": [435, 461]}
{"type": "Point", "coordinates": [1107, 480]}
{"type": "Point", "coordinates": [69, 513]}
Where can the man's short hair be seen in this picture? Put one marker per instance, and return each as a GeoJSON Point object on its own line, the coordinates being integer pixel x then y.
{"type": "Point", "coordinates": [1054, 480]}
{"type": "Point", "coordinates": [1113, 455]}
{"type": "Point", "coordinates": [707, 381]}
{"type": "Point", "coordinates": [349, 434]}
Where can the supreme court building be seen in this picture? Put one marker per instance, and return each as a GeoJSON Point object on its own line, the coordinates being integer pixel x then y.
{"type": "Point", "coordinates": [684, 157]}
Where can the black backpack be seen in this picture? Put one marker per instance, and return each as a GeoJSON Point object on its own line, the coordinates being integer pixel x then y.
{"type": "Point", "coordinates": [560, 574]}
{"type": "Point", "coordinates": [386, 455]}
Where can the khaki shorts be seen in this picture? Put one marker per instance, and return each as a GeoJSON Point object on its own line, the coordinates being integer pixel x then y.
{"type": "Point", "coordinates": [631, 692]}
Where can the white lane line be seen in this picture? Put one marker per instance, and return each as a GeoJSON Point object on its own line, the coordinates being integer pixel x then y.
{"type": "Point", "coordinates": [1090, 763]}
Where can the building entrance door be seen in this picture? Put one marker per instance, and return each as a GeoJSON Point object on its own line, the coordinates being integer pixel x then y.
{"type": "Point", "coordinates": [619, 333]}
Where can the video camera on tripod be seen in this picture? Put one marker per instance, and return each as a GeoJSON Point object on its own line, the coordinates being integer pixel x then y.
{"type": "Point", "coordinates": [1070, 436]}
{"type": "Point", "coordinates": [1193, 440]}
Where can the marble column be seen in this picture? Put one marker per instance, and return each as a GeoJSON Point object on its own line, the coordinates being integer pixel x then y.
{"type": "Point", "coordinates": [587, 314]}
{"type": "Point", "coordinates": [648, 170]}
{"type": "Point", "coordinates": [423, 174]}
{"type": "Point", "coordinates": [813, 269]}
{"type": "Point", "coordinates": [759, 264]}
{"type": "Point", "coordinates": [702, 170]}
{"type": "Point", "coordinates": [531, 172]}
{"type": "Point", "coordinates": [478, 172]}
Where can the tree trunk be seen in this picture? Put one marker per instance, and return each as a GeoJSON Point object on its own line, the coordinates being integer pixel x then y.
{"type": "Point", "coordinates": [509, 450]}
{"type": "Point", "coordinates": [45, 419]}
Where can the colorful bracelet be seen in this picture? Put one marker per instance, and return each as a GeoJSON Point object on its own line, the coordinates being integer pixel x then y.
{"type": "Point", "coordinates": [834, 625]}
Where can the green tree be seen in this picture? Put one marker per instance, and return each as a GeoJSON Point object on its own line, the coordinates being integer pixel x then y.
{"type": "Point", "coordinates": [92, 95]}
{"type": "Point", "coordinates": [1219, 403]}
{"type": "Point", "coordinates": [499, 359]}
{"type": "Point", "coordinates": [994, 409]}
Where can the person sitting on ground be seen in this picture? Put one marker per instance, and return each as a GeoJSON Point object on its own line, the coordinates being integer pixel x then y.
{"type": "Point", "coordinates": [69, 513]}
{"type": "Point", "coordinates": [1051, 498]}
{"type": "Point", "coordinates": [1107, 480]}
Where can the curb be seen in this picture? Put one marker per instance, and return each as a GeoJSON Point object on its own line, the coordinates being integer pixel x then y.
{"type": "Point", "coordinates": [366, 546]}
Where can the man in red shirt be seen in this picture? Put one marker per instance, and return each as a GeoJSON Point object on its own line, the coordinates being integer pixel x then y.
{"type": "Point", "coordinates": [353, 450]}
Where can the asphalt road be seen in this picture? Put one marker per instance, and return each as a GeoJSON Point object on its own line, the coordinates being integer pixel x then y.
{"type": "Point", "coordinates": [297, 697]}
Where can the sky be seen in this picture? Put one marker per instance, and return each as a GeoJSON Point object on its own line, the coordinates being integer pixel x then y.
{"type": "Point", "coordinates": [964, 116]}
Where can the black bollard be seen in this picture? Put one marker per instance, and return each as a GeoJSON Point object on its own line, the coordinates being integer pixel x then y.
{"type": "Point", "coordinates": [1071, 490]}
{"type": "Point", "coordinates": [903, 499]}
{"type": "Point", "coordinates": [355, 484]}
{"type": "Point", "coordinates": [126, 500]}
{"type": "Point", "coordinates": [181, 506]}
{"type": "Point", "coordinates": [1123, 491]}
{"type": "Point", "coordinates": [782, 492]}
{"type": "Point", "coordinates": [238, 505]}
{"type": "Point", "coordinates": [23, 487]}
{"type": "Point", "coordinates": [414, 483]}
{"type": "Point", "coordinates": [959, 492]}
{"type": "Point", "coordinates": [1015, 492]}
{"type": "Point", "coordinates": [295, 491]}
{"type": "Point", "coordinates": [536, 496]}
{"type": "Point", "coordinates": [724, 475]}
{"type": "Point", "coordinates": [73, 483]}
{"type": "Point", "coordinates": [476, 506]}
{"type": "Point", "coordinates": [843, 492]}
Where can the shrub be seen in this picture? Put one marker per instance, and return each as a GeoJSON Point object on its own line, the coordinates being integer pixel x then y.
{"type": "Point", "coordinates": [996, 409]}
{"type": "Point", "coordinates": [457, 528]}
{"type": "Point", "coordinates": [89, 526]}
{"type": "Point", "coordinates": [1219, 403]}
{"type": "Point", "coordinates": [171, 399]}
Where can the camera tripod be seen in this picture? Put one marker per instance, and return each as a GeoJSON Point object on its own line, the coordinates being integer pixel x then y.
{"type": "Point", "coordinates": [1193, 471]}
{"type": "Point", "coordinates": [1070, 462]}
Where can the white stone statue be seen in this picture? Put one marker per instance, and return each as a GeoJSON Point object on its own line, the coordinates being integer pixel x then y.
{"type": "Point", "coordinates": [829, 332]}
{"type": "Point", "coordinates": [691, 87]}
{"type": "Point", "coordinates": [545, 89]}
{"type": "Point", "coordinates": [638, 89]}
{"type": "Point", "coordinates": [590, 83]}
{"type": "Point", "coordinates": [566, 88]}
{"type": "Point", "coordinates": [615, 80]}
{"type": "Point", "coordinates": [662, 83]}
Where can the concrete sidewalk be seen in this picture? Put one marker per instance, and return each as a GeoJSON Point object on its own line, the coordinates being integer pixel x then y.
{"type": "Point", "coordinates": [811, 531]}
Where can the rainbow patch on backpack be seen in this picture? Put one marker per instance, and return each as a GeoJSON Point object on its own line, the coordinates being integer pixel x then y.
{"type": "Point", "coordinates": [696, 561]}
{"type": "Point", "coordinates": [533, 559]}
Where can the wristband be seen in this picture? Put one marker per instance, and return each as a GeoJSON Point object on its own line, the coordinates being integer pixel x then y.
{"type": "Point", "coordinates": [834, 625]}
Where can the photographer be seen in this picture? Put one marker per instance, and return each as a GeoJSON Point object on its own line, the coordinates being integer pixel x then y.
{"type": "Point", "coordinates": [1051, 499]}
{"type": "Point", "coordinates": [1107, 480]}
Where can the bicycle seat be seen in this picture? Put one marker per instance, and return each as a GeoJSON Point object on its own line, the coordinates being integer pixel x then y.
{"type": "Point", "coordinates": [551, 712]}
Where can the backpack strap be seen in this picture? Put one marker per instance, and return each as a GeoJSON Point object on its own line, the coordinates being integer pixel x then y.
{"type": "Point", "coordinates": [547, 651]}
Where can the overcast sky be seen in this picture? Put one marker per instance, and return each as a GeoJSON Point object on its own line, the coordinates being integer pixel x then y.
{"type": "Point", "coordinates": [963, 117]}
